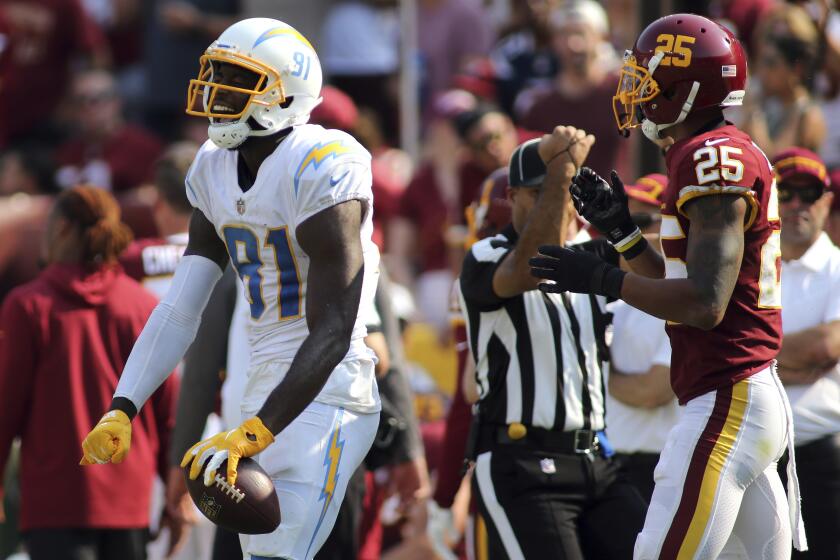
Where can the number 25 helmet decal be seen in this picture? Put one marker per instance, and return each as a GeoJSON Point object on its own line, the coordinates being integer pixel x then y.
{"type": "Point", "coordinates": [680, 64]}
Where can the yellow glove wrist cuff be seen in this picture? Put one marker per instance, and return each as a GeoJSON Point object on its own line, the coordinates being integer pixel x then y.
{"type": "Point", "coordinates": [255, 426]}
{"type": "Point", "coordinates": [115, 415]}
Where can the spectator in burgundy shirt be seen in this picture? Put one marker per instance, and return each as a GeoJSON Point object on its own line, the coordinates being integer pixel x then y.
{"type": "Point", "coordinates": [339, 111]}
{"type": "Point", "coordinates": [427, 237]}
{"type": "Point", "coordinates": [64, 338]}
{"type": "Point", "coordinates": [43, 38]}
{"type": "Point", "coordinates": [583, 87]}
{"type": "Point", "coordinates": [105, 150]}
{"type": "Point", "coordinates": [152, 260]}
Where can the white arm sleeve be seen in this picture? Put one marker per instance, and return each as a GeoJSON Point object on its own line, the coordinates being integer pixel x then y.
{"type": "Point", "coordinates": [170, 329]}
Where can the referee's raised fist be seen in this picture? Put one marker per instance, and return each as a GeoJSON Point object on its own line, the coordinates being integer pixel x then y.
{"type": "Point", "coordinates": [565, 144]}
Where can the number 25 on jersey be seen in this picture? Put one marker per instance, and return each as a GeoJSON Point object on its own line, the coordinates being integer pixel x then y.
{"type": "Point", "coordinates": [244, 250]}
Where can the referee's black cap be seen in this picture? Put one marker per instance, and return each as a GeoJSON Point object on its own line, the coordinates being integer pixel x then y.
{"type": "Point", "coordinates": [526, 167]}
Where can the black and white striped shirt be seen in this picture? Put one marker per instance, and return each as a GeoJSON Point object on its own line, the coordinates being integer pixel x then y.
{"type": "Point", "coordinates": [539, 357]}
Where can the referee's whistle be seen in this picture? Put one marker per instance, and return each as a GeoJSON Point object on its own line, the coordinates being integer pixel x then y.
{"type": "Point", "coordinates": [517, 431]}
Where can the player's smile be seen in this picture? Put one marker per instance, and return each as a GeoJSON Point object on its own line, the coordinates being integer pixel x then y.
{"type": "Point", "coordinates": [233, 106]}
{"type": "Point", "coordinates": [223, 108]}
{"type": "Point", "coordinates": [231, 102]}
{"type": "Point", "coordinates": [228, 102]}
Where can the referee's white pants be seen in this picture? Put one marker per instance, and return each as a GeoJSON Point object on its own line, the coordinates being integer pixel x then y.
{"type": "Point", "coordinates": [718, 493]}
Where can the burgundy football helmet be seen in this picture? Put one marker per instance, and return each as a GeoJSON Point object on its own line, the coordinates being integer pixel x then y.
{"type": "Point", "coordinates": [680, 64]}
{"type": "Point", "coordinates": [491, 212]}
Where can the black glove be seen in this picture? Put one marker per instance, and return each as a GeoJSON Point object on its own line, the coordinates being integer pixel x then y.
{"type": "Point", "coordinates": [576, 271]}
{"type": "Point", "coordinates": [600, 247]}
{"type": "Point", "coordinates": [605, 207]}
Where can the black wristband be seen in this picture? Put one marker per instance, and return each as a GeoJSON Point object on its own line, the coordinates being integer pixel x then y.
{"type": "Point", "coordinates": [636, 249]}
{"type": "Point", "coordinates": [607, 280]}
{"type": "Point", "coordinates": [124, 404]}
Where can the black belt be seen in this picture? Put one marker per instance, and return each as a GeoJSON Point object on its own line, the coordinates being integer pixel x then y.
{"type": "Point", "coordinates": [574, 442]}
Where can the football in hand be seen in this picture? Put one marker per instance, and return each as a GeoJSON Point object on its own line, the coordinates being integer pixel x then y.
{"type": "Point", "coordinates": [250, 506]}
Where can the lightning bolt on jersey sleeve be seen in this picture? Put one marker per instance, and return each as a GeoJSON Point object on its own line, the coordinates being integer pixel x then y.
{"type": "Point", "coordinates": [331, 171]}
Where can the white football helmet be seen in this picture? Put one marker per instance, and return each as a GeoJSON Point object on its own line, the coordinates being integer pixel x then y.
{"type": "Point", "coordinates": [288, 81]}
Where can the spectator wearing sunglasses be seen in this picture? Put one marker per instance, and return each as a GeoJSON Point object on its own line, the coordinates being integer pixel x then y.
{"type": "Point", "coordinates": [641, 407]}
{"type": "Point", "coordinates": [808, 360]}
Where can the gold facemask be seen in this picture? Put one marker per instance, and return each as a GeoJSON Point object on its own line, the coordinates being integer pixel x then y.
{"type": "Point", "coordinates": [202, 87]}
{"type": "Point", "coordinates": [635, 86]}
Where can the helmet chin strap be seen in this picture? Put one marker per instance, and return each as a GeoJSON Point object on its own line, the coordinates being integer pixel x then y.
{"type": "Point", "coordinates": [652, 130]}
{"type": "Point", "coordinates": [229, 135]}
{"type": "Point", "coordinates": [233, 134]}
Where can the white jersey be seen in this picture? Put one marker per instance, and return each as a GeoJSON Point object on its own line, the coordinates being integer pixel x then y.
{"type": "Point", "coordinates": [639, 342]}
{"type": "Point", "coordinates": [311, 170]}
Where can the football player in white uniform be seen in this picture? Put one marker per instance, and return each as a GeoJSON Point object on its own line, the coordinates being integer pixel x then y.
{"type": "Point", "coordinates": [290, 205]}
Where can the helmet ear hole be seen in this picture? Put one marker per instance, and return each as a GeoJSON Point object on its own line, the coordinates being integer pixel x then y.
{"type": "Point", "coordinates": [287, 102]}
{"type": "Point", "coordinates": [252, 122]}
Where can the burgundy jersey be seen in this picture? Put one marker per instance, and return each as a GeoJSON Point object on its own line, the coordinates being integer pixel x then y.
{"type": "Point", "coordinates": [152, 261]}
{"type": "Point", "coordinates": [723, 161]}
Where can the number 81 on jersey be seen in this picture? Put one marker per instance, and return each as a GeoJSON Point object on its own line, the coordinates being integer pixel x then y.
{"type": "Point", "coordinates": [244, 250]}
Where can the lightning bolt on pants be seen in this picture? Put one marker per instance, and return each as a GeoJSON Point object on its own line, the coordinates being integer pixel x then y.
{"type": "Point", "coordinates": [311, 462]}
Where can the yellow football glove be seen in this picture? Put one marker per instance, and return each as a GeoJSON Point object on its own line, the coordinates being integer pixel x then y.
{"type": "Point", "coordinates": [248, 439]}
{"type": "Point", "coordinates": [108, 441]}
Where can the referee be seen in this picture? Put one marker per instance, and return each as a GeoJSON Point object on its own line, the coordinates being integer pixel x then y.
{"type": "Point", "coordinates": [543, 485]}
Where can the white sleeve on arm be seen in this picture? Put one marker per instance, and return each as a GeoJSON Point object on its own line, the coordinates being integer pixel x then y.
{"type": "Point", "coordinates": [170, 329]}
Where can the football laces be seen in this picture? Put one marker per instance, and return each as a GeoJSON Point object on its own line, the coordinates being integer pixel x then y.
{"type": "Point", "coordinates": [228, 489]}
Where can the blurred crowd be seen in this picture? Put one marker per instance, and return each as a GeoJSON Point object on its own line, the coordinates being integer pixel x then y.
{"type": "Point", "coordinates": [92, 92]}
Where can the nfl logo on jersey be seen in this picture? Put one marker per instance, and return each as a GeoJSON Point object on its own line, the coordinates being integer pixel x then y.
{"type": "Point", "coordinates": [240, 206]}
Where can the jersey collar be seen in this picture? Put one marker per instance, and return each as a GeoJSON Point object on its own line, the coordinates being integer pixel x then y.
{"type": "Point", "coordinates": [817, 255]}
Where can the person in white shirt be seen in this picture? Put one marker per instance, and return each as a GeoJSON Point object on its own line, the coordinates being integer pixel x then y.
{"type": "Point", "coordinates": [808, 360]}
{"type": "Point", "coordinates": [641, 408]}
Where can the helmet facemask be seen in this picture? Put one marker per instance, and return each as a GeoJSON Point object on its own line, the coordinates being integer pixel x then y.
{"type": "Point", "coordinates": [227, 106]}
{"type": "Point", "coordinates": [635, 86]}
{"type": "Point", "coordinates": [639, 94]}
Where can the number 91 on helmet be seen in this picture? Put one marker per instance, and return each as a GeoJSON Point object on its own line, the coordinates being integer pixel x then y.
{"type": "Point", "coordinates": [259, 77]}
